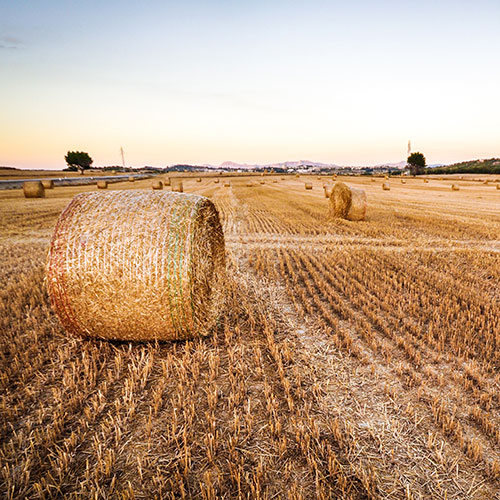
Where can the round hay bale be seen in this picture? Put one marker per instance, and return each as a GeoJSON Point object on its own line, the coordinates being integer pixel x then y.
{"type": "Point", "coordinates": [373, 179]}
{"type": "Point", "coordinates": [48, 184]}
{"type": "Point", "coordinates": [297, 175]}
{"type": "Point", "coordinates": [216, 181]}
{"type": "Point", "coordinates": [386, 186]}
{"type": "Point", "coordinates": [308, 185]}
{"type": "Point", "coordinates": [157, 185]}
{"type": "Point", "coordinates": [33, 189]}
{"type": "Point", "coordinates": [386, 177]}
{"type": "Point", "coordinates": [283, 179]}
{"type": "Point", "coordinates": [131, 178]}
{"type": "Point", "coordinates": [137, 265]}
{"type": "Point", "coordinates": [498, 186]}
{"type": "Point", "coordinates": [426, 181]}
{"type": "Point", "coordinates": [177, 187]}
{"type": "Point", "coordinates": [275, 181]}
{"type": "Point", "coordinates": [348, 203]}
{"type": "Point", "coordinates": [403, 181]}
{"type": "Point", "coordinates": [249, 184]}
{"type": "Point", "coordinates": [199, 179]}
{"type": "Point", "coordinates": [102, 184]}
{"type": "Point", "coordinates": [226, 184]}
{"type": "Point", "coordinates": [262, 182]}
{"type": "Point", "coordinates": [166, 181]}
{"type": "Point", "coordinates": [455, 187]}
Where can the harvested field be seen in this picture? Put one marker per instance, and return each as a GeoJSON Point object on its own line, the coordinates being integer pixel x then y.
{"type": "Point", "coordinates": [352, 359]}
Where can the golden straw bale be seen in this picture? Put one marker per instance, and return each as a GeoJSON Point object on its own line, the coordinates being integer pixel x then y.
{"type": "Point", "coordinates": [137, 265]}
{"type": "Point", "coordinates": [327, 191]}
{"type": "Point", "coordinates": [131, 178]}
{"type": "Point", "coordinates": [33, 189]}
{"type": "Point", "coordinates": [403, 181]}
{"type": "Point", "coordinates": [157, 185]}
{"type": "Point", "coordinates": [308, 185]}
{"type": "Point", "coordinates": [262, 182]}
{"type": "Point", "coordinates": [386, 177]}
{"type": "Point", "coordinates": [348, 203]}
{"type": "Point", "coordinates": [177, 186]}
{"type": "Point", "coordinates": [297, 175]}
{"type": "Point", "coordinates": [102, 184]}
{"type": "Point", "coordinates": [455, 187]}
{"type": "Point", "coordinates": [249, 184]}
{"type": "Point", "coordinates": [498, 186]}
{"type": "Point", "coordinates": [199, 179]}
{"type": "Point", "coordinates": [227, 184]}
{"type": "Point", "coordinates": [373, 179]}
{"type": "Point", "coordinates": [426, 181]}
{"type": "Point", "coordinates": [386, 186]}
{"type": "Point", "coordinates": [216, 181]}
{"type": "Point", "coordinates": [275, 181]}
{"type": "Point", "coordinates": [283, 179]}
{"type": "Point", "coordinates": [48, 184]}
{"type": "Point", "coordinates": [166, 181]}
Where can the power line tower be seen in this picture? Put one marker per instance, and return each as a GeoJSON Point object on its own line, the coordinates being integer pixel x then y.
{"type": "Point", "coordinates": [123, 157]}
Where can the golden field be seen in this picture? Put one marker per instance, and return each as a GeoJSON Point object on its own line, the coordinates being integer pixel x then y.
{"type": "Point", "coordinates": [353, 359]}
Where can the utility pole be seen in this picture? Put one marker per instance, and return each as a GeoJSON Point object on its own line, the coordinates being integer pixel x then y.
{"type": "Point", "coordinates": [123, 157]}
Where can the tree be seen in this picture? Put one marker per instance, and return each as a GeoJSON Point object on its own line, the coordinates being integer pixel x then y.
{"type": "Point", "coordinates": [416, 163]}
{"type": "Point", "coordinates": [78, 160]}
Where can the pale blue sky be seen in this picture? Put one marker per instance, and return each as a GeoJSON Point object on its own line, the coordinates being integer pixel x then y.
{"type": "Point", "coordinates": [204, 82]}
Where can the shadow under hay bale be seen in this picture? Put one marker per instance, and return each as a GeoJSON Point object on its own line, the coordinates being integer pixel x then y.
{"type": "Point", "coordinates": [33, 189]}
{"type": "Point", "coordinates": [348, 202]}
{"type": "Point", "coordinates": [102, 184]}
{"type": "Point", "coordinates": [308, 185]}
{"type": "Point", "coordinates": [157, 185]}
{"type": "Point", "coordinates": [137, 265]}
{"type": "Point", "coordinates": [48, 184]}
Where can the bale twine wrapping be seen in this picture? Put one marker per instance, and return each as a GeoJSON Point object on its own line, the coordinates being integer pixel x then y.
{"type": "Point", "coordinates": [137, 265]}
{"type": "Point", "coordinates": [308, 185]}
{"type": "Point", "coordinates": [48, 184]}
{"type": "Point", "coordinates": [348, 203]}
{"type": "Point", "coordinates": [455, 187]}
{"type": "Point", "coordinates": [33, 189]}
{"type": "Point", "coordinates": [131, 178]}
{"type": "Point", "coordinates": [177, 187]}
{"type": "Point", "coordinates": [157, 185]}
{"type": "Point", "coordinates": [102, 184]}
{"type": "Point", "coordinates": [386, 186]}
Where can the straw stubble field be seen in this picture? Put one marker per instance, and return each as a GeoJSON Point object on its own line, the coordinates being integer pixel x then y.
{"type": "Point", "coordinates": [350, 360]}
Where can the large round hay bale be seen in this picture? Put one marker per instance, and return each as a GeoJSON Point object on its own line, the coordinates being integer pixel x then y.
{"type": "Point", "coordinates": [199, 179]}
{"type": "Point", "coordinates": [177, 186]}
{"type": "Point", "coordinates": [131, 178]}
{"type": "Point", "coordinates": [348, 203]}
{"type": "Point", "coordinates": [33, 189]}
{"type": "Point", "coordinates": [455, 187]}
{"type": "Point", "coordinates": [308, 185]}
{"type": "Point", "coordinates": [102, 184]}
{"type": "Point", "coordinates": [137, 265]}
{"type": "Point", "coordinates": [386, 186]}
{"type": "Point", "coordinates": [157, 185]}
{"type": "Point", "coordinates": [48, 184]}
{"type": "Point", "coordinates": [166, 181]}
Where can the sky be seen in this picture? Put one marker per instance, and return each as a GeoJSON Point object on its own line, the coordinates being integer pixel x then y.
{"type": "Point", "coordinates": [261, 81]}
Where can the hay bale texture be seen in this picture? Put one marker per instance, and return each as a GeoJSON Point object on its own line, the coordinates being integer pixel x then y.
{"type": "Point", "coordinates": [348, 202]}
{"type": "Point", "coordinates": [157, 185]}
{"type": "Point", "coordinates": [137, 265]}
{"type": "Point", "coordinates": [33, 189]}
{"type": "Point", "coordinates": [48, 184]}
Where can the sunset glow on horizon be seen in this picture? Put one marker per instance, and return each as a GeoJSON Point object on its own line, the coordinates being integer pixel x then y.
{"type": "Point", "coordinates": [253, 82]}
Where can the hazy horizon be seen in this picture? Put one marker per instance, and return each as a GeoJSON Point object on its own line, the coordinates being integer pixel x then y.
{"type": "Point", "coordinates": [257, 83]}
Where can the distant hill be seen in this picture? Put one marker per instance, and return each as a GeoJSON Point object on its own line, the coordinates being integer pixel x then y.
{"type": "Point", "coordinates": [491, 166]}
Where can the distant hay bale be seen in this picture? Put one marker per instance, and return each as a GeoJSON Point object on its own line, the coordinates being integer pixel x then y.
{"type": "Point", "coordinates": [216, 181]}
{"type": "Point", "coordinates": [249, 184]}
{"type": "Point", "coordinates": [455, 187]}
{"type": "Point", "coordinates": [102, 184]}
{"type": "Point", "coordinates": [262, 182]}
{"type": "Point", "coordinates": [297, 175]}
{"type": "Point", "coordinates": [373, 179]}
{"type": "Point", "coordinates": [157, 185]}
{"type": "Point", "coordinates": [308, 185]}
{"type": "Point", "coordinates": [137, 265]}
{"type": "Point", "coordinates": [166, 181]}
{"type": "Point", "coordinates": [386, 177]}
{"type": "Point", "coordinates": [33, 189]}
{"type": "Point", "coordinates": [486, 182]}
{"type": "Point", "coordinates": [275, 181]}
{"type": "Point", "coordinates": [227, 184]}
{"type": "Point", "coordinates": [403, 181]}
{"type": "Point", "coordinates": [177, 186]}
{"type": "Point", "coordinates": [426, 180]}
{"type": "Point", "coordinates": [131, 178]}
{"type": "Point", "coordinates": [347, 203]}
{"type": "Point", "coordinates": [48, 184]}
{"type": "Point", "coordinates": [386, 186]}
{"type": "Point", "coordinates": [498, 186]}
{"type": "Point", "coordinates": [199, 179]}
{"type": "Point", "coordinates": [283, 179]}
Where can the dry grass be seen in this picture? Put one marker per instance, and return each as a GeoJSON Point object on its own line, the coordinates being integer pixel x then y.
{"type": "Point", "coordinates": [352, 360]}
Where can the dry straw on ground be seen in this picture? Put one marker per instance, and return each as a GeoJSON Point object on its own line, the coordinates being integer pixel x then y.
{"type": "Point", "coordinates": [386, 186]}
{"type": "Point", "coordinates": [157, 185]}
{"type": "Point", "coordinates": [348, 202]}
{"type": "Point", "coordinates": [137, 265]}
{"type": "Point", "coordinates": [33, 189]}
{"type": "Point", "coordinates": [102, 184]}
{"type": "Point", "coordinates": [455, 187]}
{"type": "Point", "coordinates": [48, 184]}
{"type": "Point", "coordinates": [177, 186]}
{"type": "Point", "coordinates": [308, 185]}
